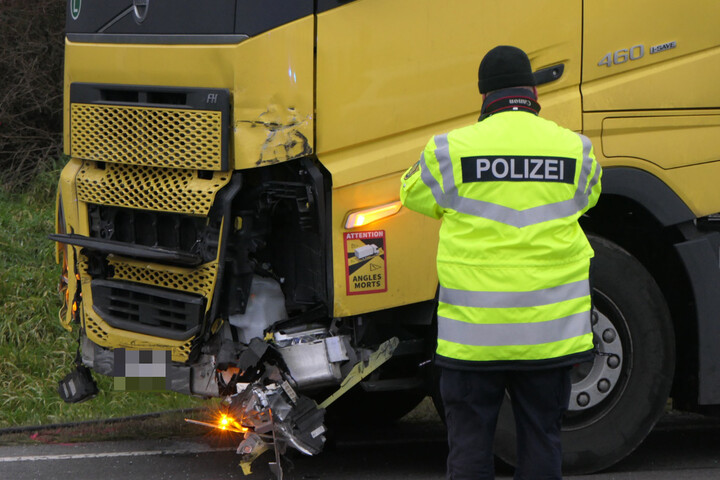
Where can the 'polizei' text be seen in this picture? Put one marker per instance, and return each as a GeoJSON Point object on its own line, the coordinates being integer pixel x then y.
{"type": "Point", "coordinates": [518, 169]}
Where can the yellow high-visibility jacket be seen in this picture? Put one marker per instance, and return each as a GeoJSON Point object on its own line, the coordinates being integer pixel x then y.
{"type": "Point", "coordinates": [512, 259]}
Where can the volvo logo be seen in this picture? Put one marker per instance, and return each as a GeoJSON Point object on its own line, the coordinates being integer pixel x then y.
{"type": "Point", "coordinates": [140, 9]}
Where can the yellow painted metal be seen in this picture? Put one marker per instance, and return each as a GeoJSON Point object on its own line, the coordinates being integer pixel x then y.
{"type": "Point", "coordinates": [66, 195]}
{"type": "Point", "coordinates": [104, 335]}
{"type": "Point", "coordinates": [67, 296]}
{"type": "Point", "coordinates": [391, 74]}
{"type": "Point", "coordinates": [681, 77]}
{"type": "Point", "coordinates": [58, 229]}
{"type": "Point", "coordinates": [677, 147]}
{"type": "Point", "coordinates": [673, 140]}
{"type": "Point", "coordinates": [274, 93]}
{"type": "Point", "coordinates": [697, 185]}
{"type": "Point", "coordinates": [66, 189]}
{"type": "Point", "coordinates": [410, 243]}
{"type": "Point", "coordinates": [270, 77]}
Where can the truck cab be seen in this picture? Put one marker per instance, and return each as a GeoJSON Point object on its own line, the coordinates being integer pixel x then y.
{"type": "Point", "coordinates": [231, 197]}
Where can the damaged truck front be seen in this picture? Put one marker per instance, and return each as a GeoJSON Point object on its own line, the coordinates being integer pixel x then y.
{"type": "Point", "coordinates": [195, 217]}
{"type": "Point", "coordinates": [230, 204]}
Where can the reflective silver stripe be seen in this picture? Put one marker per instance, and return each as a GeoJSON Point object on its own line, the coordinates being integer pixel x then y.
{"type": "Point", "coordinates": [510, 216]}
{"type": "Point", "coordinates": [595, 179]}
{"type": "Point", "coordinates": [586, 165]}
{"type": "Point", "coordinates": [430, 182]}
{"type": "Point", "coordinates": [532, 298]}
{"type": "Point", "coordinates": [505, 334]}
{"type": "Point", "coordinates": [442, 154]}
{"type": "Point", "coordinates": [582, 193]}
{"type": "Point", "coordinates": [500, 213]}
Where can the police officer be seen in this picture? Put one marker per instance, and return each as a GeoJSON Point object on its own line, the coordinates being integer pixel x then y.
{"type": "Point", "coordinates": [514, 303]}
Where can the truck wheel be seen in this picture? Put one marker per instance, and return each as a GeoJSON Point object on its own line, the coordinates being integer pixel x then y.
{"type": "Point", "coordinates": [617, 398]}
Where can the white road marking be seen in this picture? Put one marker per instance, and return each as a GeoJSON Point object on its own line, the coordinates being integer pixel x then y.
{"type": "Point", "coordinates": [81, 456]}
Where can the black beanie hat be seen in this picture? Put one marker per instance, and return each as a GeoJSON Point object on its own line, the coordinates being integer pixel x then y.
{"type": "Point", "coordinates": [504, 67]}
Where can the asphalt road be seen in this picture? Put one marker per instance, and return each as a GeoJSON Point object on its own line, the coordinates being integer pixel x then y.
{"type": "Point", "coordinates": [680, 447]}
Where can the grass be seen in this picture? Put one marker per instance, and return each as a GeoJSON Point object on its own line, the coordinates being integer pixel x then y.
{"type": "Point", "coordinates": [35, 351]}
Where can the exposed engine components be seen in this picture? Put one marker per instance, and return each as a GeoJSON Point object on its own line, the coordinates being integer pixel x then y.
{"type": "Point", "coordinates": [276, 414]}
{"type": "Point", "coordinates": [313, 357]}
{"type": "Point", "coordinates": [271, 413]}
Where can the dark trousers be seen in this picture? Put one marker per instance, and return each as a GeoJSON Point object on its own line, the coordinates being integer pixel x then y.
{"type": "Point", "coordinates": [472, 401]}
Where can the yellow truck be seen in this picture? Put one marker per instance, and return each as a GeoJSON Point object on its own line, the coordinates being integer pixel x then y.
{"type": "Point", "coordinates": [231, 199]}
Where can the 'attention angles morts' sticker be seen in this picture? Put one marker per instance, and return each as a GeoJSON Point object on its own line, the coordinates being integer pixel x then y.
{"type": "Point", "coordinates": [365, 262]}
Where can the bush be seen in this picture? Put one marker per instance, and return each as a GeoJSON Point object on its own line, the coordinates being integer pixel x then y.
{"type": "Point", "coordinates": [31, 60]}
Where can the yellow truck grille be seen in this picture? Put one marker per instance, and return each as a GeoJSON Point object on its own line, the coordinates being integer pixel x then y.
{"type": "Point", "coordinates": [148, 188]}
{"type": "Point", "coordinates": [148, 136]}
{"type": "Point", "coordinates": [104, 335]}
{"type": "Point", "coordinates": [199, 280]}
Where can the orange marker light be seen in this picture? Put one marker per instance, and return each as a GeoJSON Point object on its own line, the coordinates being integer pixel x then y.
{"type": "Point", "coordinates": [366, 216]}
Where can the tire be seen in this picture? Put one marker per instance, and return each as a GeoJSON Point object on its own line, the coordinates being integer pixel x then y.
{"type": "Point", "coordinates": [617, 398]}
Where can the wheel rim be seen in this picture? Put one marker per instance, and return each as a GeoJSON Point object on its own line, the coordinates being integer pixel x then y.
{"type": "Point", "coordinates": [598, 384]}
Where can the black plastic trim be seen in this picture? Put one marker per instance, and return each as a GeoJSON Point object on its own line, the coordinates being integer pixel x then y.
{"type": "Point", "coordinates": [322, 186]}
{"type": "Point", "coordinates": [223, 203]}
{"type": "Point", "coordinates": [255, 17]}
{"type": "Point", "coordinates": [149, 39]}
{"type": "Point", "coordinates": [649, 191]}
{"type": "Point", "coordinates": [324, 5]}
{"type": "Point", "coordinates": [155, 17]}
{"type": "Point", "coordinates": [549, 74]}
{"type": "Point", "coordinates": [183, 310]}
{"type": "Point", "coordinates": [184, 21]}
{"type": "Point", "coordinates": [171, 231]}
{"type": "Point", "coordinates": [142, 96]}
{"type": "Point", "coordinates": [700, 257]}
{"type": "Point", "coordinates": [156, 254]}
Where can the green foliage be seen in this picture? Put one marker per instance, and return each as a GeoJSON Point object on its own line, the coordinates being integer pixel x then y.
{"type": "Point", "coordinates": [35, 351]}
{"type": "Point", "coordinates": [31, 59]}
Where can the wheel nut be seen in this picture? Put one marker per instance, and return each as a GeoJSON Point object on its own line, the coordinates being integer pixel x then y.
{"type": "Point", "coordinates": [613, 361]}
{"type": "Point", "coordinates": [603, 385]}
{"type": "Point", "coordinates": [608, 335]}
{"type": "Point", "coordinates": [594, 317]}
{"type": "Point", "coordinates": [583, 399]}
